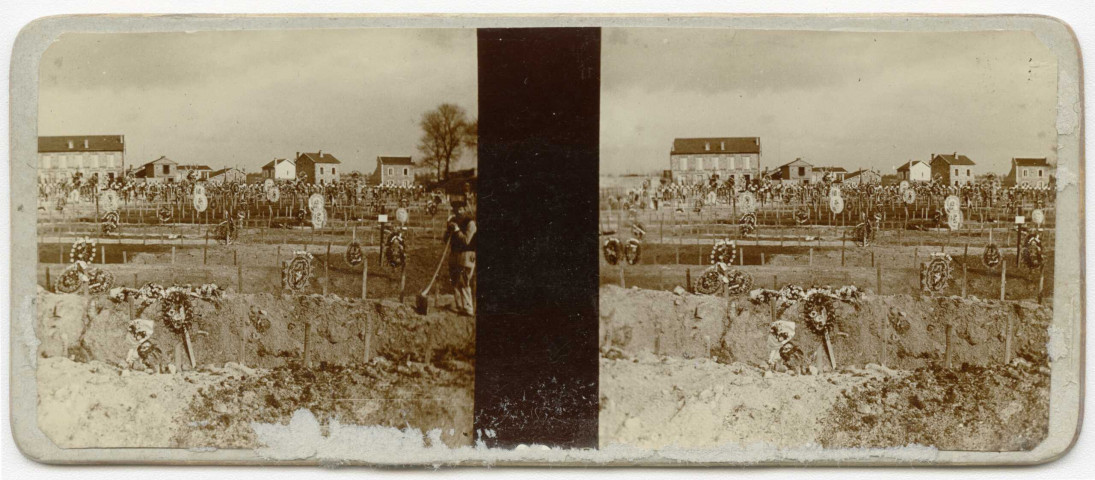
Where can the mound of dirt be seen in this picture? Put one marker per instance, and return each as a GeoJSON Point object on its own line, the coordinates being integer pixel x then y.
{"type": "Point", "coordinates": [423, 396]}
{"type": "Point", "coordinates": [899, 331]}
{"type": "Point", "coordinates": [654, 402]}
{"type": "Point", "coordinates": [260, 330]}
{"type": "Point", "coordinates": [999, 408]}
{"type": "Point", "coordinates": [95, 405]}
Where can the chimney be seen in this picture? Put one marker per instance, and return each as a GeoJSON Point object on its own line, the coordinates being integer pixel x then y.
{"type": "Point", "coordinates": [297, 157]}
{"type": "Point", "coordinates": [319, 154]}
{"type": "Point", "coordinates": [85, 143]}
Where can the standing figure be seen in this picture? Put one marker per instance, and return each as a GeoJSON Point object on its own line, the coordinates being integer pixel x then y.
{"type": "Point", "coordinates": [461, 237]}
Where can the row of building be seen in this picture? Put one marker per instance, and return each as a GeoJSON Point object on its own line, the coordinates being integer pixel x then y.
{"type": "Point", "coordinates": [697, 160]}
{"type": "Point", "coordinates": [61, 157]}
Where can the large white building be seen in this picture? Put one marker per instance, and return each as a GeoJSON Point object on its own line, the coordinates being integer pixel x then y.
{"type": "Point", "coordinates": [61, 157]}
{"type": "Point", "coordinates": [697, 160]}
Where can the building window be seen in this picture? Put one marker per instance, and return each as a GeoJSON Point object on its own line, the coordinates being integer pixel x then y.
{"type": "Point", "coordinates": [1025, 172]}
{"type": "Point", "coordinates": [731, 166]}
{"type": "Point", "coordinates": [745, 163]}
{"type": "Point", "coordinates": [167, 169]}
{"type": "Point", "coordinates": [406, 172]}
{"type": "Point", "coordinates": [967, 172]}
{"type": "Point", "coordinates": [802, 171]}
{"type": "Point", "coordinates": [1040, 173]}
{"type": "Point", "coordinates": [956, 172]}
{"type": "Point", "coordinates": [332, 170]}
{"type": "Point", "coordinates": [391, 171]}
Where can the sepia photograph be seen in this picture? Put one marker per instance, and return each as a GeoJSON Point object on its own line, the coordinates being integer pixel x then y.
{"type": "Point", "coordinates": [826, 239]}
{"type": "Point", "coordinates": [239, 228]}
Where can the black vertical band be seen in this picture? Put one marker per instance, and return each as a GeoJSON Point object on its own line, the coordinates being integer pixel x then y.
{"type": "Point", "coordinates": [537, 325]}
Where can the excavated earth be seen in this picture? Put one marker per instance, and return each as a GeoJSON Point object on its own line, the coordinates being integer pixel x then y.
{"type": "Point", "coordinates": [691, 371]}
{"type": "Point", "coordinates": [373, 362]}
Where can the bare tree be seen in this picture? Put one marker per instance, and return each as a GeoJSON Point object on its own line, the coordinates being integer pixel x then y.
{"type": "Point", "coordinates": [442, 137]}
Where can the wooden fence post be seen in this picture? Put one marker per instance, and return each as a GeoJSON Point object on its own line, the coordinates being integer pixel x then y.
{"type": "Point", "coordinates": [878, 278]}
{"type": "Point", "coordinates": [239, 278]}
{"type": "Point", "coordinates": [1003, 279]}
{"type": "Point", "coordinates": [364, 277]}
{"type": "Point", "coordinates": [948, 355]}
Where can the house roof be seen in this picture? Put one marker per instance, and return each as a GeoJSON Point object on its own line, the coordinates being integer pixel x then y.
{"type": "Point", "coordinates": [1030, 162]}
{"type": "Point", "coordinates": [276, 161]}
{"type": "Point", "coordinates": [953, 159]}
{"type": "Point", "coordinates": [717, 145]}
{"type": "Point", "coordinates": [860, 172]}
{"type": "Point", "coordinates": [161, 160]}
{"type": "Point", "coordinates": [795, 161]}
{"type": "Point", "coordinates": [907, 165]}
{"type": "Point", "coordinates": [394, 160]}
{"type": "Point", "coordinates": [222, 171]}
{"type": "Point", "coordinates": [830, 169]}
{"type": "Point", "coordinates": [95, 143]}
{"type": "Point", "coordinates": [319, 157]}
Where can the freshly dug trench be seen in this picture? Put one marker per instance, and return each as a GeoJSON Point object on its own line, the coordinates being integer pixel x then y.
{"type": "Point", "coordinates": [259, 330]}
{"type": "Point", "coordinates": [899, 331]}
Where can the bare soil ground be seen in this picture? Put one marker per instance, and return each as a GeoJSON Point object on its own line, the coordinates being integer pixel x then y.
{"type": "Point", "coordinates": [375, 362]}
{"type": "Point", "coordinates": [691, 370]}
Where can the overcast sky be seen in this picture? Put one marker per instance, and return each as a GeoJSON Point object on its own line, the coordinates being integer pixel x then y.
{"type": "Point", "coordinates": [243, 98]}
{"type": "Point", "coordinates": [871, 100]}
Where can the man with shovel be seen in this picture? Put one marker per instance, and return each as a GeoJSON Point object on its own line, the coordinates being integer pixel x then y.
{"type": "Point", "coordinates": [460, 236]}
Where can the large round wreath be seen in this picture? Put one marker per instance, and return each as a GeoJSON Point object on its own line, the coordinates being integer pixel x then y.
{"type": "Point", "coordinates": [110, 222]}
{"type": "Point", "coordinates": [297, 275]}
{"type": "Point", "coordinates": [709, 282]}
{"type": "Point", "coordinates": [176, 311]}
{"type": "Point", "coordinates": [164, 214]}
{"type": "Point", "coordinates": [353, 256]}
{"type": "Point", "coordinates": [724, 251]}
{"type": "Point", "coordinates": [748, 223]}
{"type": "Point", "coordinates": [68, 281]}
{"type": "Point", "coordinates": [936, 273]}
{"type": "Point", "coordinates": [738, 282]}
{"type": "Point", "coordinates": [396, 251]}
{"type": "Point", "coordinates": [819, 313]}
{"type": "Point", "coordinates": [83, 250]}
{"type": "Point", "coordinates": [991, 258]}
{"type": "Point", "coordinates": [633, 251]}
{"type": "Point", "coordinates": [99, 280]}
{"type": "Point", "coordinates": [612, 250]}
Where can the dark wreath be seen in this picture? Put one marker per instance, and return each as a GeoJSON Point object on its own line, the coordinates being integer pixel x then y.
{"type": "Point", "coordinates": [227, 232]}
{"type": "Point", "coordinates": [1032, 251]}
{"type": "Point", "coordinates": [709, 283]}
{"type": "Point", "coordinates": [991, 257]}
{"type": "Point", "coordinates": [354, 256]}
{"type": "Point", "coordinates": [802, 214]}
{"type": "Point", "coordinates": [110, 222]}
{"type": "Point", "coordinates": [164, 214]}
{"type": "Point", "coordinates": [633, 251]}
{"type": "Point", "coordinates": [298, 273]}
{"type": "Point", "coordinates": [748, 223]}
{"type": "Point", "coordinates": [611, 249]}
{"type": "Point", "coordinates": [176, 311]}
{"type": "Point", "coordinates": [396, 252]}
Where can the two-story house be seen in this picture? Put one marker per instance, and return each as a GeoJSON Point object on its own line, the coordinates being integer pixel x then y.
{"type": "Point", "coordinates": [697, 160]}
{"type": "Point", "coordinates": [61, 157]}
{"type": "Point", "coordinates": [317, 168]}
{"type": "Point", "coordinates": [1034, 172]}
{"type": "Point", "coordinates": [279, 169]}
{"type": "Point", "coordinates": [160, 170]}
{"type": "Point", "coordinates": [915, 171]}
{"type": "Point", "coordinates": [394, 171]}
{"type": "Point", "coordinates": [953, 170]}
{"type": "Point", "coordinates": [797, 171]}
